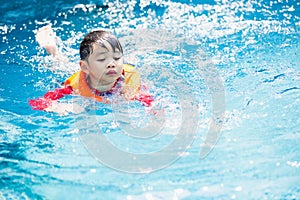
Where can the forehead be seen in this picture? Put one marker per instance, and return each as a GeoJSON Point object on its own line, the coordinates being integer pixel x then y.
{"type": "Point", "coordinates": [100, 49]}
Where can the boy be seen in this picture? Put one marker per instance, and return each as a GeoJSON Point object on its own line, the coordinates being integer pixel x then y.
{"type": "Point", "coordinates": [102, 71]}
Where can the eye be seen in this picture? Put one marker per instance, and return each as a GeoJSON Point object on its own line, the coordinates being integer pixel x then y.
{"type": "Point", "coordinates": [117, 58]}
{"type": "Point", "coordinates": [101, 60]}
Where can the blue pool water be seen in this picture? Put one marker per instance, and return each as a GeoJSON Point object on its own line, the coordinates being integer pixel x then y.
{"type": "Point", "coordinates": [254, 45]}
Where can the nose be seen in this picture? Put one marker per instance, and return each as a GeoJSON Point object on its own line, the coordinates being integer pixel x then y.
{"type": "Point", "coordinates": [111, 64]}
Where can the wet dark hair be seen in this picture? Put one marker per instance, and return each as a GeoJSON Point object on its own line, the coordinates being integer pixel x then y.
{"type": "Point", "coordinates": [98, 37]}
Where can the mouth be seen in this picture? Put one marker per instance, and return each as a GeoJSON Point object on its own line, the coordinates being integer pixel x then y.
{"type": "Point", "coordinates": [111, 72]}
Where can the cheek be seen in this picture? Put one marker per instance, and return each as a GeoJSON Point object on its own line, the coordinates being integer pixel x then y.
{"type": "Point", "coordinates": [97, 69]}
{"type": "Point", "coordinates": [120, 66]}
{"type": "Point", "coordinates": [98, 65]}
{"type": "Point", "coordinates": [120, 62]}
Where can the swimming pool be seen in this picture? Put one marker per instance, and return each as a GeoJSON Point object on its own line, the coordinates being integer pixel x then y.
{"type": "Point", "coordinates": [254, 45]}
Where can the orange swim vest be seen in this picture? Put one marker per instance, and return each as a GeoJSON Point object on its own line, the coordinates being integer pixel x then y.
{"type": "Point", "coordinates": [131, 84]}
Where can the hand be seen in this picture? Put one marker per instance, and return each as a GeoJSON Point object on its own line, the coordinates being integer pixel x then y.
{"type": "Point", "coordinates": [64, 108]}
{"type": "Point", "coordinates": [47, 39]}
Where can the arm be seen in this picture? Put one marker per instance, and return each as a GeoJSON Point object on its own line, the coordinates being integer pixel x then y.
{"type": "Point", "coordinates": [47, 39]}
{"type": "Point", "coordinates": [46, 101]}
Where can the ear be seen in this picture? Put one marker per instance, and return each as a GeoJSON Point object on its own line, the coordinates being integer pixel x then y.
{"type": "Point", "coordinates": [84, 66]}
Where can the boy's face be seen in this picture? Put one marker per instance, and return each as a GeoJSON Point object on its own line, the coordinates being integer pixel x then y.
{"type": "Point", "coordinates": [105, 66]}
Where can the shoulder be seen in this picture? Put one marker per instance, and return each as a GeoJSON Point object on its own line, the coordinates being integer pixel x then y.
{"type": "Point", "coordinates": [131, 75]}
{"type": "Point", "coordinates": [129, 68]}
{"type": "Point", "coordinates": [73, 79]}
